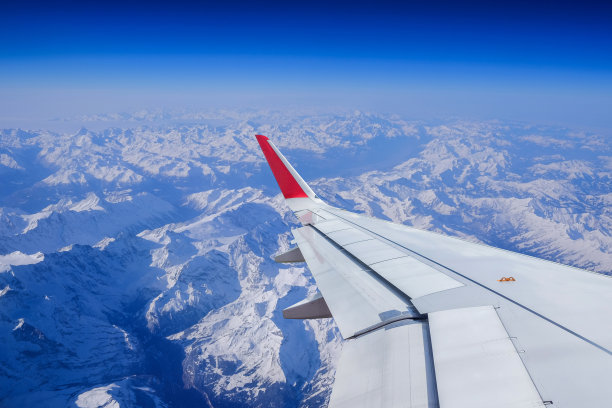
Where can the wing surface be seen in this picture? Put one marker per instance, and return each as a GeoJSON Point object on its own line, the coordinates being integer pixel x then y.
{"type": "Point", "coordinates": [502, 329]}
{"type": "Point", "coordinates": [389, 367]}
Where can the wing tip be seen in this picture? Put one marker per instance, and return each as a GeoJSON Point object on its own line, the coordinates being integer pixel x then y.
{"type": "Point", "coordinates": [287, 181]}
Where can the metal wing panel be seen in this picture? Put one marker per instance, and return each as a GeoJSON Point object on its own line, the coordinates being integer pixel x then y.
{"type": "Point", "coordinates": [574, 298]}
{"type": "Point", "coordinates": [356, 299]}
{"type": "Point", "coordinates": [476, 363]}
{"type": "Point", "coordinates": [559, 315]}
{"type": "Point", "coordinates": [407, 274]}
{"type": "Point", "coordinates": [414, 278]}
{"type": "Point", "coordinates": [371, 252]}
{"type": "Point", "coordinates": [348, 236]}
{"type": "Point", "coordinates": [333, 225]}
{"type": "Point", "coordinates": [390, 367]}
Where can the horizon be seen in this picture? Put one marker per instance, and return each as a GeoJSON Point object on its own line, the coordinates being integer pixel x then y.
{"type": "Point", "coordinates": [533, 62]}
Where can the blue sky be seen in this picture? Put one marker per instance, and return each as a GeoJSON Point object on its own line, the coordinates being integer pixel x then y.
{"type": "Point", "coordinates": [531, 61]}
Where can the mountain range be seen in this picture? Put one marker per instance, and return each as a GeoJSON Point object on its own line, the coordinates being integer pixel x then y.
{"type": "Point", "coordinates": [136, 255]}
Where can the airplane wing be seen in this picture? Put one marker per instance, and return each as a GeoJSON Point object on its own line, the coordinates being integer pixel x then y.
{"type": "Point", "coordinates": [435, 321]}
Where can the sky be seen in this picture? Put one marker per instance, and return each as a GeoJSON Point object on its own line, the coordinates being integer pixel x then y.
{"type": "Point", "coordinates": [536, 61]}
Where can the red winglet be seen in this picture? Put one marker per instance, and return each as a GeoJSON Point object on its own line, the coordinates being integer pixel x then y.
{"type": "Point", "coordinates": [287, 183]}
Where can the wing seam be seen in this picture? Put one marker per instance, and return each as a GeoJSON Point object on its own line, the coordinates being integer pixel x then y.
{"type": "Point", "coordinates": [385, 323]}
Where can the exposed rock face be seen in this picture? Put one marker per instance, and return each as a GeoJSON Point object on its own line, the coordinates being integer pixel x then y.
{"type": "Point", "coordinates": [136, 263]}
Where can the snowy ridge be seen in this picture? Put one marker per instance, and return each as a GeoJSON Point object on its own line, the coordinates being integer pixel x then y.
{"type": "Point", "coordinates": [136, 262]}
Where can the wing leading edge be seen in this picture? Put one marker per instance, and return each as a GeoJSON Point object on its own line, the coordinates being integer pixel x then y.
{"type": "Point", "coordinates": [483, 341]}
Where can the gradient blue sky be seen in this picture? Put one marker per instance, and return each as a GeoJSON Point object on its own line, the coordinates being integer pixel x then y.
{"type": "Point", "coordinates": [543, 62]}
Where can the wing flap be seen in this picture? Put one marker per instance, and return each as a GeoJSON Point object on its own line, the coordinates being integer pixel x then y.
{"type": "Point", "coordinates": [390, 367]}
{"type": "Point", "coordinates": [476, 363]}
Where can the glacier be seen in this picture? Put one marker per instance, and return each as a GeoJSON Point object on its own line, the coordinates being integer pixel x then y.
{"type": "Point", "coordinates": [136, 253]}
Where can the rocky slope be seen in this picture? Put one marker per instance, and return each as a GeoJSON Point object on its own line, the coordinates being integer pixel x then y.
{"type": "Point", "coordinates": [136, 261]}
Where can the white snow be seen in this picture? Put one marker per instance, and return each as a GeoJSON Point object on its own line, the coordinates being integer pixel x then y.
{"type": "Point", "coordinates": [103, 243]}
{"type": "Point", "coordinates": [20, 323]}
{"type": "Point", "coordinates": [117, 395]}
{"type": "Point", "coordinates": [184, 219]}
{"type": "Point", "coordinates": [90, 203]}
{"type": "Point", "coordinates": [8, 161]}
{"type": "Point", "coordinates": [19, 258]}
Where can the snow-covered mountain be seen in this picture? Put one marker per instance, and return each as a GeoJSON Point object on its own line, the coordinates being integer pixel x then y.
{"type": "Point", "coordinates": [136, 261]}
